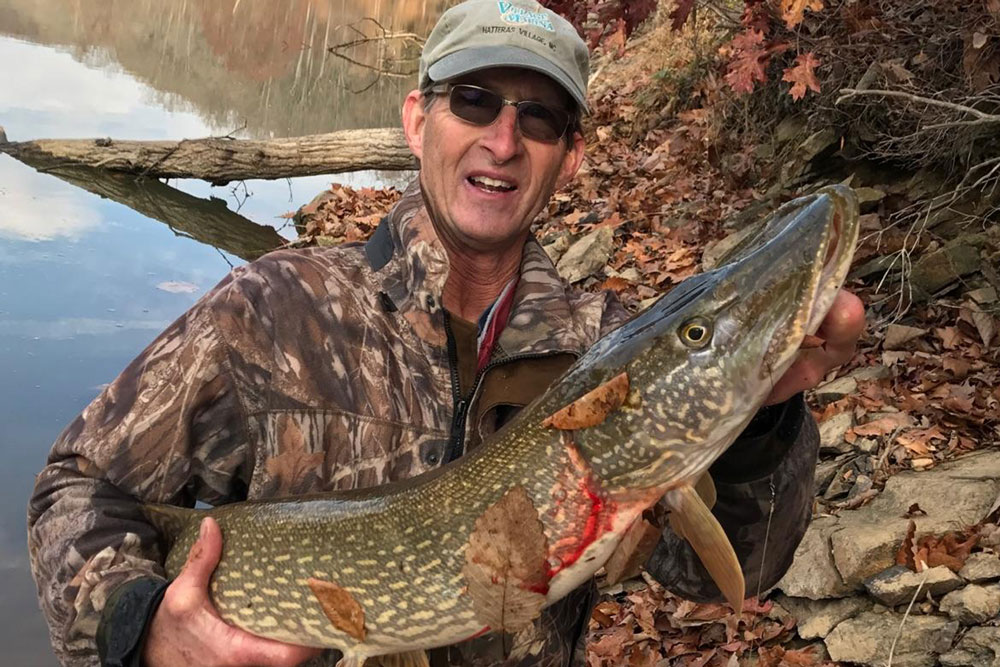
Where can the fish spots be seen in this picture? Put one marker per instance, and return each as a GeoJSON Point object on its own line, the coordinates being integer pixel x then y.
{"type": "Point", "coordinates": [282, 558]}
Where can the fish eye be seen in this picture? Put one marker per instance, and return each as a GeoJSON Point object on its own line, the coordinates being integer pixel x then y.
{"type": "Point", "coordinates": [696, 333]}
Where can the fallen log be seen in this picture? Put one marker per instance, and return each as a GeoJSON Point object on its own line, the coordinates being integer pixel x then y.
{"type": "Point", "coordinates": [205, 220]}
{"type": "Point", "coordinates": [220, 160]}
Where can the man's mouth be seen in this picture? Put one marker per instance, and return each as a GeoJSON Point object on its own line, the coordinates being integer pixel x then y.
{"type": "Point", "coordinates": [491, 184]}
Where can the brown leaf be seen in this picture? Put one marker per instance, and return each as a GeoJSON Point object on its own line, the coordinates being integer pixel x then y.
{"type": "Point", "coordinates": [914, 510]}
{"type": "Point", "coordinates": [802, 75]}
{"type": "Point", "coordinates": [593, 407]}
{"type": "Point", "coordinates": [505, 568]}
{"type": "Point", "coordinates": [904, 555]}
{"type": "Point", "coordinates": [792, 11]}
{"type": "Point", "coordinates": [810, 342]}
{"type": "Point", "coordinates": [679, 15]}
{"type": "Point", "coordinates": [749, 62]}
{"type": "Point", "coordinates": [340, 607]}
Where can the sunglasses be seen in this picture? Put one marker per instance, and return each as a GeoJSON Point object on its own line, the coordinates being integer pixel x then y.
{"type": "Point", "coordinates": [480, 106]}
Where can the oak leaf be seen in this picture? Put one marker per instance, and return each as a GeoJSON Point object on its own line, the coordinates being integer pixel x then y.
{"type": "Point", "coordinates": [802, 75]}
{"type": "Point", "coordinates": [792, 11]}
{"type": "Point", "coordinates": [340, 607]}
{"type": "Point", "coordinates": [506, 570]}
{"type": "Point", "coordinates": [593, 407]}
{"type": "Point", "coordinates": [749, 61]}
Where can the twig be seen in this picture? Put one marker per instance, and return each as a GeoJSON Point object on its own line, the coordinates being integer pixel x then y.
{"type": "Point", "coordinates": [848, 93]}
{"type": "Point", "coordinates": [899, 632]}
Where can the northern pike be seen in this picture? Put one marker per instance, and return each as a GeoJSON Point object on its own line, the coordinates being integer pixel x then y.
{"type": "Point", "coordinates": [408, 566]}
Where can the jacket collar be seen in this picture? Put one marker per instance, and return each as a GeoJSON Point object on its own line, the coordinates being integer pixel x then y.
{"type": "Point", "coordinates": [412, 266]}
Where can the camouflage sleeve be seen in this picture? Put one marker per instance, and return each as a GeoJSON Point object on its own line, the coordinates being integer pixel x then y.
{"type": "Point", "coordinates": [168, 429]}
{"type": "Point", "coordinates": [765, 492]}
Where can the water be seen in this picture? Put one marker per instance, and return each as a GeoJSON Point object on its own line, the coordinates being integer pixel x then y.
{"type": "Point", "coordinates": [86, 282]}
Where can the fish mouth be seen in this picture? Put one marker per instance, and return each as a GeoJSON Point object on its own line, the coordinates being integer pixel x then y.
{"type": "Point", "coordinates": [808, 260]}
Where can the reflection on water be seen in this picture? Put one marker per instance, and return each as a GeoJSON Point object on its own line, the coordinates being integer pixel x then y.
{"type": "Point", "coordinates": [255, 62]}
{"type": "Point", "coordinates": [81, 274]}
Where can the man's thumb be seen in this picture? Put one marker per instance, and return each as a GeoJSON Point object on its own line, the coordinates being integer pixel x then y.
{"type": "Point", "coordinates": [204, 555]}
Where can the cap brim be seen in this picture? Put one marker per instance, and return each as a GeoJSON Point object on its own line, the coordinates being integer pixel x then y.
{"type": "Point", "coordinates": [471, 60]}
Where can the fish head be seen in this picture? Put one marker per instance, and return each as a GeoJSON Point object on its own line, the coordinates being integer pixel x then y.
{"type": "Point", "coordinates": [702, 360]}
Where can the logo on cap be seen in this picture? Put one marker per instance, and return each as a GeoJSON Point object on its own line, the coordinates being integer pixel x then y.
{"type": "Point", "coordinates": [511, 13]}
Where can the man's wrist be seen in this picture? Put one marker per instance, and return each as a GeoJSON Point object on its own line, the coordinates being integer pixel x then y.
{"type": "Point", "coordinates": [763, 445]}
{"type": "Point", "coordinates": [127, 614]}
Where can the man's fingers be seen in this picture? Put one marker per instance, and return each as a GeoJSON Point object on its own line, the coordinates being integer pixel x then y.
{"type": "Point", "coordinates": [845, 320]}
{"type": "Point", "coordinates": [203, 557]}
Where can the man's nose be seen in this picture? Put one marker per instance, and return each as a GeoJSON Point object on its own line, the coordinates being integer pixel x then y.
{"type": "Point", "coordinates": [502, 138]}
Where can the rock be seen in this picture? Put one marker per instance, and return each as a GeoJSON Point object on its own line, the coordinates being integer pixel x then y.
{"type": "Point", "coordinates": [898, 335]}
{"type": "Point", "coordinates": [864, 541]}
{"type": "Point", "coordinates": [898, 584]}
{"type": "Point", "coordinates": [937, 269]}
{"type": "Point", "coordinates": [870, 373]}
{"type": "Point", "coordinates": [825, 470]}
{"type": "Point", "coordinates": [867, 639]}
{"type": "Point", "coordinates": [813, 574]}
{"type": "Point", "coordinates": [586, 255]}
{"type": "Point", "coordinates": [834, 390]}
{"type": "Point", "coordinates": [980, 567]}
{"type": "Point", "coordinates": [789, 128]}
{"type": "Point", "coordinates": [876, 266]}
{"type": "Point", "coordinates": [832, 432]}
{"type": "Point", "coordinates": [631, 274]}
{"type": "Point", "coordinates": [717, 250]}
{"type": "Point", "coordinates": [869, 195]}
{"type": "Point", "coordinates": [866, 445]}
{"type": "Point", "coordinates": [816, 618]}
{"type": "Point", "coordinates": [980, 647]}
{"type": "Point", "coordinates": [555, 246]}
{"type": "Point", "coordinates": [973, 604]}
{"type": "Point", "coordinates": [983, 295]}
{"type": "Point", "coordinates": [816, 143]}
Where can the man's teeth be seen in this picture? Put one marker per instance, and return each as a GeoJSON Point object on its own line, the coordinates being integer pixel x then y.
{"type": "Point", "coordinates": [491, 183]}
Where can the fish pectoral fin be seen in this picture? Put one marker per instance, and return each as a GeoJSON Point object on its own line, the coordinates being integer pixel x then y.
{"type": "Point", "coordinates": [416, 658]}
{"type": "Point", "coordinates": [691, 519]}
{"type": "Point", "coordinates": [352, 660]}
{"type": "Point", "coordinates": [706, 489]}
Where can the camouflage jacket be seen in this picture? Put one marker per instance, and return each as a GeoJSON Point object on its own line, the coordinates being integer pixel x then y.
{"type": "Point", "coordinates": [329, 369]}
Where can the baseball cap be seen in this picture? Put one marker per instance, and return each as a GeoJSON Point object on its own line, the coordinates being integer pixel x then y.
{"type": "Point", "coordinates": [480, 34]}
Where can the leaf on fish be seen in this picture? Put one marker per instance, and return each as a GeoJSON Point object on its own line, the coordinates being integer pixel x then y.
{"type": "Point", "coordinates": [340, 607]}
{"type": "Point", "coordinates": [593, 407]}
{"type": "Point", "coordinates": [810, 342]}
{"type": "Point", "coordinates": [506, 571]}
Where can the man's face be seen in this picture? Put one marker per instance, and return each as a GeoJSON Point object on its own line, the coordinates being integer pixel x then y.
{"type": "Point", "coordinates": [457, 155]}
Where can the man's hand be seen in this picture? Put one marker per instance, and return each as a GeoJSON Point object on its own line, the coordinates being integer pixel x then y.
{"type": "Point", "coordinates": [841, 329]}
{"type": "Point", "coordinates": [187, 630]}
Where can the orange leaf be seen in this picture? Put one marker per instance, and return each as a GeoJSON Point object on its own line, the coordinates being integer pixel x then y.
{"type": "Point", "coordinates": [809, 342]}
{"type": "Point", "coordinates": [792, 11]}
{"type": "Point", "coordinates": [506, 570]}
{"type": "Point", "coordinates": [749, 61]}
{"type": "Point", "coordinates": [802, 75]}
{"type": "Point", "coordinates": [593, 407]}
{"type": "Point", "coordinates": [340, 607]}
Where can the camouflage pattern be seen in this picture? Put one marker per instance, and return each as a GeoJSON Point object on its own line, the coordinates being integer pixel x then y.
{"type": "Point", "coordinates": [303, 371]}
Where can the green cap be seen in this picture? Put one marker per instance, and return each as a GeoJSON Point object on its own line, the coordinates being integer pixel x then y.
{"type": "Point", "coordinates": [480, 34]}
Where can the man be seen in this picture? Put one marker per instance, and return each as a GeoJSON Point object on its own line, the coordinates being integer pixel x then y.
{"type": "Point", "coordinates": [354, 366]}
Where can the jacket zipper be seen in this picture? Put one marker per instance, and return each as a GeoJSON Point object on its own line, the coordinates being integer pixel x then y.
{"type": "Point", "coordinates": [456, 441]}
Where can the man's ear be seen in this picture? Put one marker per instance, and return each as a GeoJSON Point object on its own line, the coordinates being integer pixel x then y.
{"type": "Point", "coordinates": [414, 117]}
{"type": "Point", "coordinates": [571, 161]}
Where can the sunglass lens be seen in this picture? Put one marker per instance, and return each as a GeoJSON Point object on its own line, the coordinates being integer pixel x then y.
{"type": "Point", "coordinates": [475, 105]}
{"type": "Point", "coordinates": [540, 122]}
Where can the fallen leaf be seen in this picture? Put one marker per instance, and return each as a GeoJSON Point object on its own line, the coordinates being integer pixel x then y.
{"type": "Point", "coordinates": [593, 407]}
{"type": "Point", "coordinates": [802, 75]}
{"type": "Point", "coordinates": [505, 570]}
{"type": "Point", "coordinates": [914, 510]}
{"type": "Point", "coordinates": [905, 553]}
{"type": "Point", "coordinates": [340, 607]}
{"type": "Point", "coordinates": [792, 11]}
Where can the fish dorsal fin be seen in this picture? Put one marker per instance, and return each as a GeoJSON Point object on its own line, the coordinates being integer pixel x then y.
{"type": "Point", "coordinates": [691, 519]}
